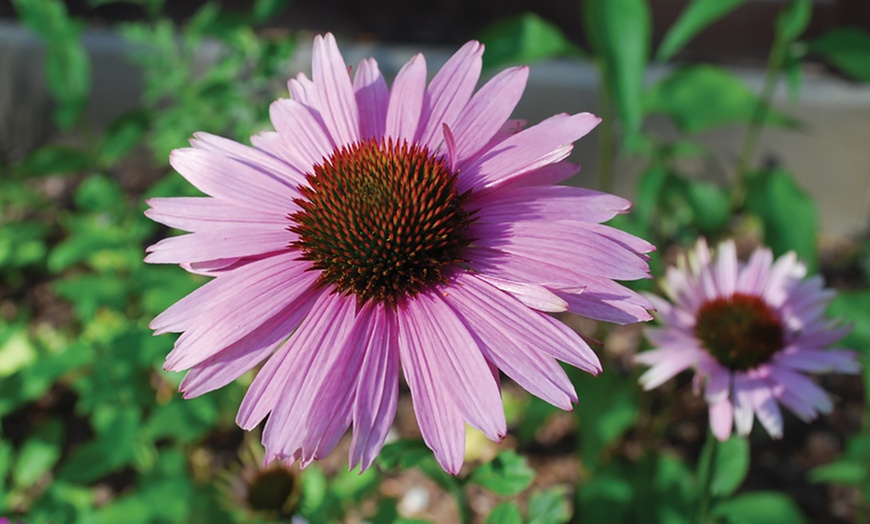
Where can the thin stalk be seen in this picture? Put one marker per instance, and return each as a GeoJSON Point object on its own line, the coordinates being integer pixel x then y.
{"type": "Point", "coordinates": [462, 506]}
{"type": "Point", "coordinates": [756, 123]}
{"type": "Point", "coordinates": [708, 459]}
{"type": "Point", "coordinates": [606, 139]}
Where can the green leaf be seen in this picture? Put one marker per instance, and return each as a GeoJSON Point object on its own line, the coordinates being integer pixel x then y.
{"type": "Point", "coordinates": [523, 39]}
{"type": "Point", "coordinates": [788, 214]}
{"type": "Point", "coordinates": [114, 448]}
{"type": "Point", "coordinates": [54, 160]}
{"type": "Point", "coordinates": [694, 18]}
{"type": "Point", "coordinates": [853, 307]}
{"type": "Point", "coordinates": [847, 49]}
{"type": "Point", "coordinates": [619, 33]}
{"type": "Point", "coordinates": [549, 506]}
{"type": "Point", "coordinates": [122, 135]}
{"type": "Point", "coordinates": [710, 205]}
{"type": "Point", "coordinates": [793, 19]}
{"type": "Point", "coordinates": [505, 513]}
{"type": "Point", "coordinates": [607, 410]}
{"type": "Point", "coordinates": [759, 507]}
{"type": "Point", "coordinates": [507, 474]}
{"type": "Point", "coordinates": [99, 192]}
{"type": "Point", "coordinates": [23, 243]}
{"type": "Point", "coordinates": [38, 454]}
{"type": "Point", "coordinates": [846, 472]}
{"type": "Point", "coordinates": [408, 453]}
{"type": "Point", "coordinates": [732, 465]}
{"type": "Point", "coordinates": [265, 10]}
{"type": "Point", "coordinates": [700, 97]}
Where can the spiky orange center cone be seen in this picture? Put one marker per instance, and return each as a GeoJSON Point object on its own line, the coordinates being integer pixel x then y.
{"type": "Point", "coordinates": [381, 220]}
{"type": "Point", "coordinates": [741, 331]}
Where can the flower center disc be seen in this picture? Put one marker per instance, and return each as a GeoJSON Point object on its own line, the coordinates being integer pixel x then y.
{"type": "Point", "coordinates": [741, 331]}
{"type": "Point", "coordinates": [381, 220]}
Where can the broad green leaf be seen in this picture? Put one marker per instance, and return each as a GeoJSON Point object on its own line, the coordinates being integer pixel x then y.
{"type": "Point", "coordinates": [408, 453]}
{"type": "Point", "coordinates": [184, 420]}
{"type": "Point", "coordinates": [788, 214]}
{"type": "Point", "coordinates": [759, 507]}
{"type": "Point", "coordinates": [549, 506]}
{"type": "Point", "coordinates": [732, 465]}
{"type": "Point", "coordinates": [710, 205]}
{"type": "Point", "coordinates": [619, 33]}
{"type": "Point", "coordinates": [38, 454]}
{"type": "Point", "coordinates": [114, 447]}
{"type": "Point", "coordinates": [606, 411]}
{"type": "Point", "coordinates": [523, 39]}
{"type": "Point", "coordinates": [847, 472]}
{"type": "Point", "coordinates": [700, 97]}
{"type": "Point", "coordinates": [847, 49]}
{"type": "Point", "coordinates": [54, 160]}
{"type": "Point", "coordinates": [695, 17]}
{"type": "Point", "coordinates": [505, 513]}
{"type": "Point", "coordinates": [507, 474]}
{"type": "Point", "coordinates": [793, 19]}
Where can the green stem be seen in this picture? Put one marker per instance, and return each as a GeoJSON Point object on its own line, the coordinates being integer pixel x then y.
{"type": "Point", "coordinates": [462, 506]}
{"type": "Point", "coordinates": [706, 470]}
{"type": "Point", "coordinates": [756, 123]}
{"type": "Point", "coordinates": [606, 139]}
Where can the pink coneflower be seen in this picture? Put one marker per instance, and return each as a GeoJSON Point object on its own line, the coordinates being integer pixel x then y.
{"type": "Point", "coordinates": [411, 228]}
{"type": "Point", "coordinates": [750, 331]}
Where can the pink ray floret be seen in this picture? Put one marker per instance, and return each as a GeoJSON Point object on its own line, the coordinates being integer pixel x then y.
{"type": "Point", "coordinates": [790, 337]}
{"type": "Point", "coordinates": [305, 283]}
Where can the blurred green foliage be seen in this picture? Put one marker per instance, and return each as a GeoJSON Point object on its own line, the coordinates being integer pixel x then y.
{"type": "Point", "coordinates": [93, 430]}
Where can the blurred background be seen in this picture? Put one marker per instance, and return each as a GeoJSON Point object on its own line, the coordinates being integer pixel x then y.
{"type": "Point", "coordinates": [746, 119]}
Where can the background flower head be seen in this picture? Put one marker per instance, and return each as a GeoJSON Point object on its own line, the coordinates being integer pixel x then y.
{"type": "Point", "coordinates": [750, 331]}
{"type": "Point", "coordinates": [412, 228]}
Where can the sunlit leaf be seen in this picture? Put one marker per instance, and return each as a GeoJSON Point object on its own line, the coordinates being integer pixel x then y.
{"type": "Point", "coordinates": [524, 39]}
{"type": "Point", "coordinates": [788, 214]}
{"type": "Point", "coordinates": [505, 513]}
{"type": "Point", "coordinates": [793, 19]}
{"type": "Point", "coordinates": [701, 97]}
{"type": "Point", "coordinates": [759, 507]}
{"type": "Point", "coordinates": [38, 454]}
{"type": "Point", "coordinates": [732, 465]}
{"type": "Point", "coordinates": [507, 474]}
{"type": "Point", "coordinates": [695, 17]}
{"type": "Point", "coordinates": [619, 32]}
{"type": "Point", "coordinates": [549, 506]}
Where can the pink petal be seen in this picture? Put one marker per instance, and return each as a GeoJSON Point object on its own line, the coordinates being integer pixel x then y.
{"type": "Point", "coordinates": [819, 360]}
{"type": "Point", "coordinates": [531, 295]}
{"type": "Point", "coordinates": [754, 275]}
{"type": "Point", "coordinates": [337, 102]}
{"type": "Point", "coordinates": [488, 110]}
{"type": "Point", "coordinates": [725, 272]}
{"type": "Point", "coordinates": [767, 410]}
{"type": "Point", "coordinates": [219, 370]}
{"type": "Point", "coordinates": [743, 407]}
{"type": "Point", "coordinates": [254, 158]}
{"type": "Point", "coordinates": [199, 213]}
{"type": "Point", "coordinates": [546, 202]}
{"type": "Point", "coordinates": [607, 301]}
{"type": "Point", "coordinates": [406, 100]}
{"type": "Point", "coordinates": [306, 142]}
{"type": "Point", "coordinates": [280, 285]}
{"type": "Point", "coordinates": [666, 363]}
{"type": "Point", "coordinates": [507, 343]}
{"type": "Point", "coordinates": [546, 143]}
{"type": "Point", "coordinates": [233, 181]}
{"type": "Point", "coordinates": [374, 406]}
{"type": "Point", "coordinates": [226, 241]}
{"type": "Point", "coordinates": [721, 419]}
{"type": "Point", "coordinates": [449, 93]}
{"type": "Point", "coordinates": [372, 99]}
{"type": "Point", "coordinates": [798, 389]}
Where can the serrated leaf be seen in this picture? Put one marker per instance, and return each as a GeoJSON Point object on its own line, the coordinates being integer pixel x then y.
{"type": "Point", "coordinates": [619, 32]}
{"type": "Point", "coordinates": [507, 474]}
{"type": "Point", "coordinates": [505, 513]}
{"type": "Point", "coordinates": [788, 214]}
{"type": "Point", "coordinates": [695, 17]}
{"type": "Point", "coordinates": [759, 507]}
{"type": "Point", "coordinates": [523, 39]}
{"type": "Point", "coordinates": [701, 97]}
{"type": "Point", "coordinates": [847, 49]}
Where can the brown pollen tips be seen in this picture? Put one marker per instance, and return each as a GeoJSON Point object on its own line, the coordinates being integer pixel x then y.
{"type": "Point", "coordinates": [381, 220]}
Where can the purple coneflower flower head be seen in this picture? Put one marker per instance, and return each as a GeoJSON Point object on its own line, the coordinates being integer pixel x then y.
{"type": "Point", "coordinates": [413, 229]}
{"type": "Point", "coordinates": [750, 331]}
